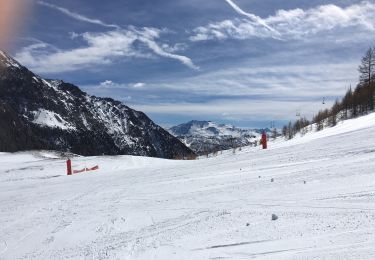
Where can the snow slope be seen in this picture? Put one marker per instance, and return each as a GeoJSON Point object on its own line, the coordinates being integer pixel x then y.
{"type": "Point", "coordinates": [216, 208]}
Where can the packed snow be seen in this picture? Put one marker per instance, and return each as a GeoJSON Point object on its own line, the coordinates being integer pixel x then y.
{"type": "Point", "coordinates": [319, 189]}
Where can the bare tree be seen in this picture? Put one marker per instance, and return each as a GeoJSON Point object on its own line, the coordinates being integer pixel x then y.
{"type": "Point", "coordinates": [367, 74]}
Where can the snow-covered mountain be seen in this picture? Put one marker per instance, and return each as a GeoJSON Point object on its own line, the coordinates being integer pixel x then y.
{"type": "Point", "coordinates": [50, 114]}
{"type": "Point", "coordinates": [208, 136]}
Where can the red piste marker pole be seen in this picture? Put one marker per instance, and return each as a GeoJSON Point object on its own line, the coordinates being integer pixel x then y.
{"type": "Point", "coordinates": [69, 167]}
{"type": "Point", "coordinates": [264, 140]}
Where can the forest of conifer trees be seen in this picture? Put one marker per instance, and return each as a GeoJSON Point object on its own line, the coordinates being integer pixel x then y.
{"type": "Point", "coordinates": [356, 102]}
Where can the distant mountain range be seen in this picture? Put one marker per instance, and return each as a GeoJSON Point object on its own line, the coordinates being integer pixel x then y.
{"type": "Point", "coordinates": [36, 114]}
{"type": "Point", "coordinates": [207, 136]}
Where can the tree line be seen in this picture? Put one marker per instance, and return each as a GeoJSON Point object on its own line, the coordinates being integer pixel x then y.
{"type": "Point", "coordinates": [356, 102]}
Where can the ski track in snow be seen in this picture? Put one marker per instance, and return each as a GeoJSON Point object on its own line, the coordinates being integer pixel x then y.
{"type": "Point", "coordinates": [215, 208]}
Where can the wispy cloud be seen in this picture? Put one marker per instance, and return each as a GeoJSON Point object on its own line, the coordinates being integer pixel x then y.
{"type": "Point", "coordinates": [159, 50]}
{"type": "Point", "coordinates": [236, 110]}
{"type": "Point", "coordinates": [247, 92]}
{"type": "Point", "coordinates": [279, 81]}
{"type": "Point", "coordinates": [138, 85]}
{"type": "Point", "coordinates": [77, 16]}
{"type": "Point", "coordinates": [293, 24]}
{"type": "Point", "coordinates": [251, 16]}
{"type": "Point", "coordinates": [100, 49]}
{"type": "Point", "coordinates": [109, 84]}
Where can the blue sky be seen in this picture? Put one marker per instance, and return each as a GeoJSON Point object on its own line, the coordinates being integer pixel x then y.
{"type": "Point", "coordinates": [244, 62]}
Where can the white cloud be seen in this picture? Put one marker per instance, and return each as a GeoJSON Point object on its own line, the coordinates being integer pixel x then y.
{"type": "Point", "coordinates": [138, 85]}
{"type": "Point", "coordinates": [236, 29]}
{"type": "Point", "coordinates": [249, 92]}
{"type": "Point", "coordinates": [174, 48]}
{"type": "Point", "coordinates": [252, 17]}
{"type": "Point", "coordinates": [109, 84]}
{"type": "Point", "coordinates": [159, 50]}
{"type": "Point", "coordinates": [101, 48]}
{"type": "Point", "coordinates": [298, 81]}
{"type": "Point", "coordinates": [238, 110]}
{"type": "Point", "coordinates": [76, 16]}
{"type": "Point", "coordinates": [294, 24]}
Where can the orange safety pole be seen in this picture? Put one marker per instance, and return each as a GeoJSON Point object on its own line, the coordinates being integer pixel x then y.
{"type": "Point", "coordinates": [264, 140]}
{"type": "Point", "coordinates": [69, 167]}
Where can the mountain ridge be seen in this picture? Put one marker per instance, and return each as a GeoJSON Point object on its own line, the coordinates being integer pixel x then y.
{"type": "Point", "coordinates": [50, 114]}
{"type": "Point", "coordinates": [207, 136]}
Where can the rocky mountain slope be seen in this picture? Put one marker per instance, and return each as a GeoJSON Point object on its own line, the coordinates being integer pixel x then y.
{"type": "Point", "coordinates": [207, 137]}
{"type": "Point", "coordinates": [50, 114]}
